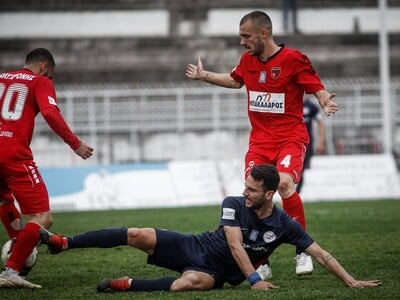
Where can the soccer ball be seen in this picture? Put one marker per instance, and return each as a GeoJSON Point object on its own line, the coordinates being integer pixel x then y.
{"type": "Point", "coordinates": [30, 261]}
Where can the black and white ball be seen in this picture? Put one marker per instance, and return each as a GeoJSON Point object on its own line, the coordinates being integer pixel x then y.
{"type": "Point", "coordinates": [30, 261]}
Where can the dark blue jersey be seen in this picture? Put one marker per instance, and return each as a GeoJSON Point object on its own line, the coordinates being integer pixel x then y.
{"type": "Point", "coordinates": [209, 251]}
{"type": "Point", "coordinates": [262, 236]}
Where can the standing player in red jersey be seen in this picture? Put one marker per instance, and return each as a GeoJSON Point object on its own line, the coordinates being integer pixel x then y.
{"type": "Point", "coordinates": [23, 94]}
{"type": "Point", "coordinates": [276, 78]}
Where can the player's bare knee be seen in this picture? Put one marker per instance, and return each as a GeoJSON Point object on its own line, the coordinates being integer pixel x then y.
{"type": "Point", "coordinates": [139, 236]}
{"type": "Point", "coordinates": [180, 285]}
{"type": "Point", "coordinates": [284, 185]}
{"type": "Point", "coordinates": [185, 283]}
{"type": "Point", "coordinates": [47, 224]}
{"type": "Point", "coordinates": [47, 221]}
{"type": "Point", "coordinates": [193, 280]}
{"type": "Point", "coordinates": [133, 234]}
{"type": "Point", "coordinates": [43, 219]}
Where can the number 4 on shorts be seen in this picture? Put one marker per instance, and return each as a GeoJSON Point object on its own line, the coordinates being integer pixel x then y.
{"type": "Point", "coordinates": [286, 161]}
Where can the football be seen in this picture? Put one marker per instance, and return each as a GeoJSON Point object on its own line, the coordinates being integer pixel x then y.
{"type": "Point", "coordinates": [30, 261]}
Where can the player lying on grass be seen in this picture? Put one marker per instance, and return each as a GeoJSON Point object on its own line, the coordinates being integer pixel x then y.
{"type": "Point", "coordinates": [251, 227]}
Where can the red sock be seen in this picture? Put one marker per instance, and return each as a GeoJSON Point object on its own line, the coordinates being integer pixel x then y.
{"type": "Point", "coordinates": [293, 206]}
{"type": "Point", "coordinates": [27, 239]}
{"type": "Point", "coordinates": [11, 219]}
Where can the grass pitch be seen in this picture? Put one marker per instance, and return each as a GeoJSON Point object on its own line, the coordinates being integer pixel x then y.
{"type": "Point", "coordinates": [364, 236]}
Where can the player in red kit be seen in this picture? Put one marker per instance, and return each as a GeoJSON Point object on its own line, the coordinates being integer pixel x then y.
{"type": "Point", "coordinates": [23, 94]}
{"type": "Point", "coordinates": [276, 78]}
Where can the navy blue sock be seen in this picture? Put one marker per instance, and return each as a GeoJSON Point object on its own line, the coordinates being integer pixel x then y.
{"type": "Point", "coordinates": [146, 285]}
{"type": "Point", "coordinates": [102, 238]}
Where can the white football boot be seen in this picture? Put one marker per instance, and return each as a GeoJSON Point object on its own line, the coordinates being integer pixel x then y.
{"type": "Point", "coordinates": [13, 280]}
{"type": "Point", "coordinates": [304, 264]}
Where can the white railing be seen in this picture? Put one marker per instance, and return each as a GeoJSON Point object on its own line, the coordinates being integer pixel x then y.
{"type": "Point", "coordinates": [185, 122]}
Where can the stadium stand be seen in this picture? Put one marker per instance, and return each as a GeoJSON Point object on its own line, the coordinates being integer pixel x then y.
{"type": "Point", "coordinates": [149, 122]}
{"type": "Point", "coordinates": [143, 74]}
{"type": "Point", "coordinates": [195, 28]}
{"type": "Point", "coordinates": [52, 5]}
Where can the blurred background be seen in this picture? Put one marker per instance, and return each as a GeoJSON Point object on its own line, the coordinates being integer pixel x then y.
{"type": "Point", "coordinates": [121, 86]}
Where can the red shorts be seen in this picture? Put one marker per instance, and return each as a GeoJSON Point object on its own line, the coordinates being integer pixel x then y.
{"type": "Point", "coordinates": [287, 157]}
{"type": "Point", "coordinates": [26, 184]}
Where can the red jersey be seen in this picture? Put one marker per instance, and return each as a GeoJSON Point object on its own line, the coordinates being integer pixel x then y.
{"type": "Point", "coordinates": [22, 95]}
{"type": "Point", "coordinates": [275, 90]}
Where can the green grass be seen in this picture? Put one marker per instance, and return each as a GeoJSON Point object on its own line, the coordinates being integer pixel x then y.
{"type": "Point", "coordinates": [364, 236]}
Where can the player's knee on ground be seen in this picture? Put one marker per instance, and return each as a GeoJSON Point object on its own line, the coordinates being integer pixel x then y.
{"type": "Point", "coordinates": [193, 280]}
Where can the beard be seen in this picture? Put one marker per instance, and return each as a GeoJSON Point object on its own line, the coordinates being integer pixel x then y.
{"type": "Point", "coordinates": [255, 204]}
{"type": "Point", "coordinates": [258, 49]}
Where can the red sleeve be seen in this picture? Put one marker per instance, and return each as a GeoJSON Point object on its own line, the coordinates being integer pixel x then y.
{"type": "Point", "coordinates": [237, 73]}
{"type": "Point", "coordinates": [305, 73]}
{"type": "Point", "coordinates": [46, 100]}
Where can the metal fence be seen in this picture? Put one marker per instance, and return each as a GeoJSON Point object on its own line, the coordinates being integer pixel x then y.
{"type": "Point", "coordinates": [153, 123]}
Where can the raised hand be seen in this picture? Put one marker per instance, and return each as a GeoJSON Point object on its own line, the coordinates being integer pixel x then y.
{"type": "Point", "coordinates": [193, 71]}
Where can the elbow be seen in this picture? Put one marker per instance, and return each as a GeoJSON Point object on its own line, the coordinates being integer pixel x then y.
{"type": "Point", "coordinates": [45, 113]}
{"type": "Point", "coordinates": [48, 113]}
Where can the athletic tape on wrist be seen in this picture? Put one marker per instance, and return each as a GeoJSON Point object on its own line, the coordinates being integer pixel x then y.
{"type": "Point", "coordinates": [254, 278]}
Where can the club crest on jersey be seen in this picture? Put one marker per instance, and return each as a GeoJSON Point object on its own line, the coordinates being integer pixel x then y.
{"type": "Point", "coordinates": [269, 237]}
{"type": "Point", "coordinates": [263, 77]}
{"type": "Point", "coordinates": [275, 72]}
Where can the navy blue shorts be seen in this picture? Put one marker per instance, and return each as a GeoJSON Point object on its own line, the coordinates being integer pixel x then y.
{"type": "Point", "coordinates": [181, 252]}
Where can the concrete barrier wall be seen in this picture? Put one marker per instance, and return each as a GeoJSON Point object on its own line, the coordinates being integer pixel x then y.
{"type": "Point", "coordinates": [205, 182]}
{"type": "Point", "coordinates": [351, 177]}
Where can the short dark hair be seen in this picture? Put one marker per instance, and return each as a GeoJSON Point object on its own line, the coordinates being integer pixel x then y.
{"type": "Point", "coordinates": [268, 174]}
{"type": "Point", "coordinates": [40, 54]}
{"type": "Point", "coordinates": [259, 18]}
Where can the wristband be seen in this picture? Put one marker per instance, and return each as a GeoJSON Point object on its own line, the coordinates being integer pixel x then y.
{"type": "Point", "coordinates": [254, 278]}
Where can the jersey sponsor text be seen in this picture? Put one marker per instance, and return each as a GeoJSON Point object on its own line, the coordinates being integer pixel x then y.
{"type": "Point", "coordinates": [267, 102]}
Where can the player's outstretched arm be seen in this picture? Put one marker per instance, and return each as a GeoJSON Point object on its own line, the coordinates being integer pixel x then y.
{"type": "Point", "coordinates": [197, 72]}
{"type": "Point", "coordinates": [332, 265]}
{"type": "Point", "coordinates": [56, 121]}
{"type": "Point", "coordinates": [235, 240]}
